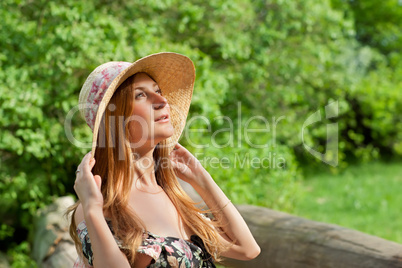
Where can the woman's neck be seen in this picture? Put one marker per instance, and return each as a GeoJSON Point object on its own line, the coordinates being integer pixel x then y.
{"type": "Point", "coordinates": [144, 170]}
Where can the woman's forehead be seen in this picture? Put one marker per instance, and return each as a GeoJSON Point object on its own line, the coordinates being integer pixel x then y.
{"type": "Point", "coordinates": [143, 77]}
{"type": "Point", "coordinates": [143, 81]}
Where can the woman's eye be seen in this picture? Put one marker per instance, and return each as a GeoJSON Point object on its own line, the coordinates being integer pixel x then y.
{"type": "Point", "coordinates": [139, 95]}
{"type": "Point", "coordinates": [159, 92]}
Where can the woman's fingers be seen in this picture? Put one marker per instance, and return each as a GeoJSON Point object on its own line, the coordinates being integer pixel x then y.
{"type": "Point", "coordinates": [177, 146]}
{"type": "Point", "coordinates": [173, 163]}
{"type": "Point", "coordinates": [181, 167]}
{"type": "Point", "coordinates": [87, 186]}
{"type": "Point", "coordinates": [91, 163]}
{"type": "Point", "coordinates": [172, 156]}
{"type": "Point", "coordinates": [98, 181]}
{"type": "Point", "coordinates": [87, 163]}
{"type": "Point", "coordinates": [85, 167]}
{"type": "Point", "coordinates": [180, 151]}
{"type": "Point", "coordinates": [86, 159]}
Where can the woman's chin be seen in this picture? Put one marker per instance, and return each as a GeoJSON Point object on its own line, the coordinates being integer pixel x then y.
{"type": "Point", "coordinates": [165, 135]}
{"type": "Point", "coordinates": [169, 131]}
{"type": "Point", "coordinates": [168, 135]}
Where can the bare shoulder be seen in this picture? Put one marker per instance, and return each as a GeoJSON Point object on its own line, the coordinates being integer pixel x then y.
{"type": "Point", "coordinates": [79, 215]}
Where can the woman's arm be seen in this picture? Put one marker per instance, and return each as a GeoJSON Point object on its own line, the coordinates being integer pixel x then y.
{"type": "Point", "coordinates": [106, 252]}
{"type": "Point", "coordinates": [235, 228]}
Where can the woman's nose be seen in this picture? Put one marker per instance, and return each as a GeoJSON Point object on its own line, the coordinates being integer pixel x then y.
{"type": "Point", "coordinates": [160, 102]}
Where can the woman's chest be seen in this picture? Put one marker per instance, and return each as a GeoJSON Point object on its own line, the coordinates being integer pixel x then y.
{"type": "Point", "coordinates": [159, 215]}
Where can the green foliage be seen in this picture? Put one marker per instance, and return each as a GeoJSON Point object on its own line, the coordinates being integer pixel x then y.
{"type": "Point", "coordinates": [267, 176]}
{"type": "Point", "coordinates": [377, 23]}
{"type": "Point", "coordinates": [20, 256]}
{"type": "Point", "coordinates": [282, 60]}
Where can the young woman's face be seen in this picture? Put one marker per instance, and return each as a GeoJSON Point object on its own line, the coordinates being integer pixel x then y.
{"type": "Point", "coordinates": [150, 122]}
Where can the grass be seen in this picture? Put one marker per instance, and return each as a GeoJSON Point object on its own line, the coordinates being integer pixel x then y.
{"type": "Point", "coordinates": [366, 197]}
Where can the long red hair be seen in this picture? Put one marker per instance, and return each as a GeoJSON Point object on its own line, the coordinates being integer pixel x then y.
{"type": "Point", "coordinates": [116, 174]}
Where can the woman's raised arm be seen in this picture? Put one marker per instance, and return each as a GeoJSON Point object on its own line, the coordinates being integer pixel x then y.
{"type": "Point", "coordinates": [235, 228]}
{"type": "Point", "coordinates": [106, 252]}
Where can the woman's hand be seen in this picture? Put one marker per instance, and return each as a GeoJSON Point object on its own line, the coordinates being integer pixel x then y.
{"type": "Point", "coordinates": [186, 165]}
{"type": "Point", "coordinates": [87, 186]}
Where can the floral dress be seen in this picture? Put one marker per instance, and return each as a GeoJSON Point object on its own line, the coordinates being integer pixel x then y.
{"type": "Point", "coordinates": [165, 251]}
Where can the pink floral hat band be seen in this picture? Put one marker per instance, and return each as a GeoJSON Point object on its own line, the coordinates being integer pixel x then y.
{"type": "Point", "coordinates": [102, 78]}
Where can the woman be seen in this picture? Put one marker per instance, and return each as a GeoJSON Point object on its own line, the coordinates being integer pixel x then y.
{"type": "Point", "coordinates": [132, 211]}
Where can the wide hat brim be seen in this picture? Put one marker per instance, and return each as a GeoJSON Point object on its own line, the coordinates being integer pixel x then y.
{"type": "Point", "coordinates": [175, 75]}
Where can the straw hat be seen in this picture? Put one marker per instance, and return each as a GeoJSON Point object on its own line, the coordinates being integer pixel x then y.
{"type": "Point", "coordinates": [174, 73]}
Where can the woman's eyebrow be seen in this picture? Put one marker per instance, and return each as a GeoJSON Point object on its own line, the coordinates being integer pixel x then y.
{"type": "Point", "coordinates": [155, 86]}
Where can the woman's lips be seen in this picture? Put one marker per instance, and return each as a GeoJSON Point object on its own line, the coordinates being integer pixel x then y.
{"type": "Point", "coordinates": [163, 118]}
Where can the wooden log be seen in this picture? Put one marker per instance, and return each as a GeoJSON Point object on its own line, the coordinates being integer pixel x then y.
{"type": "Point", "coordinates": [288, 241]}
